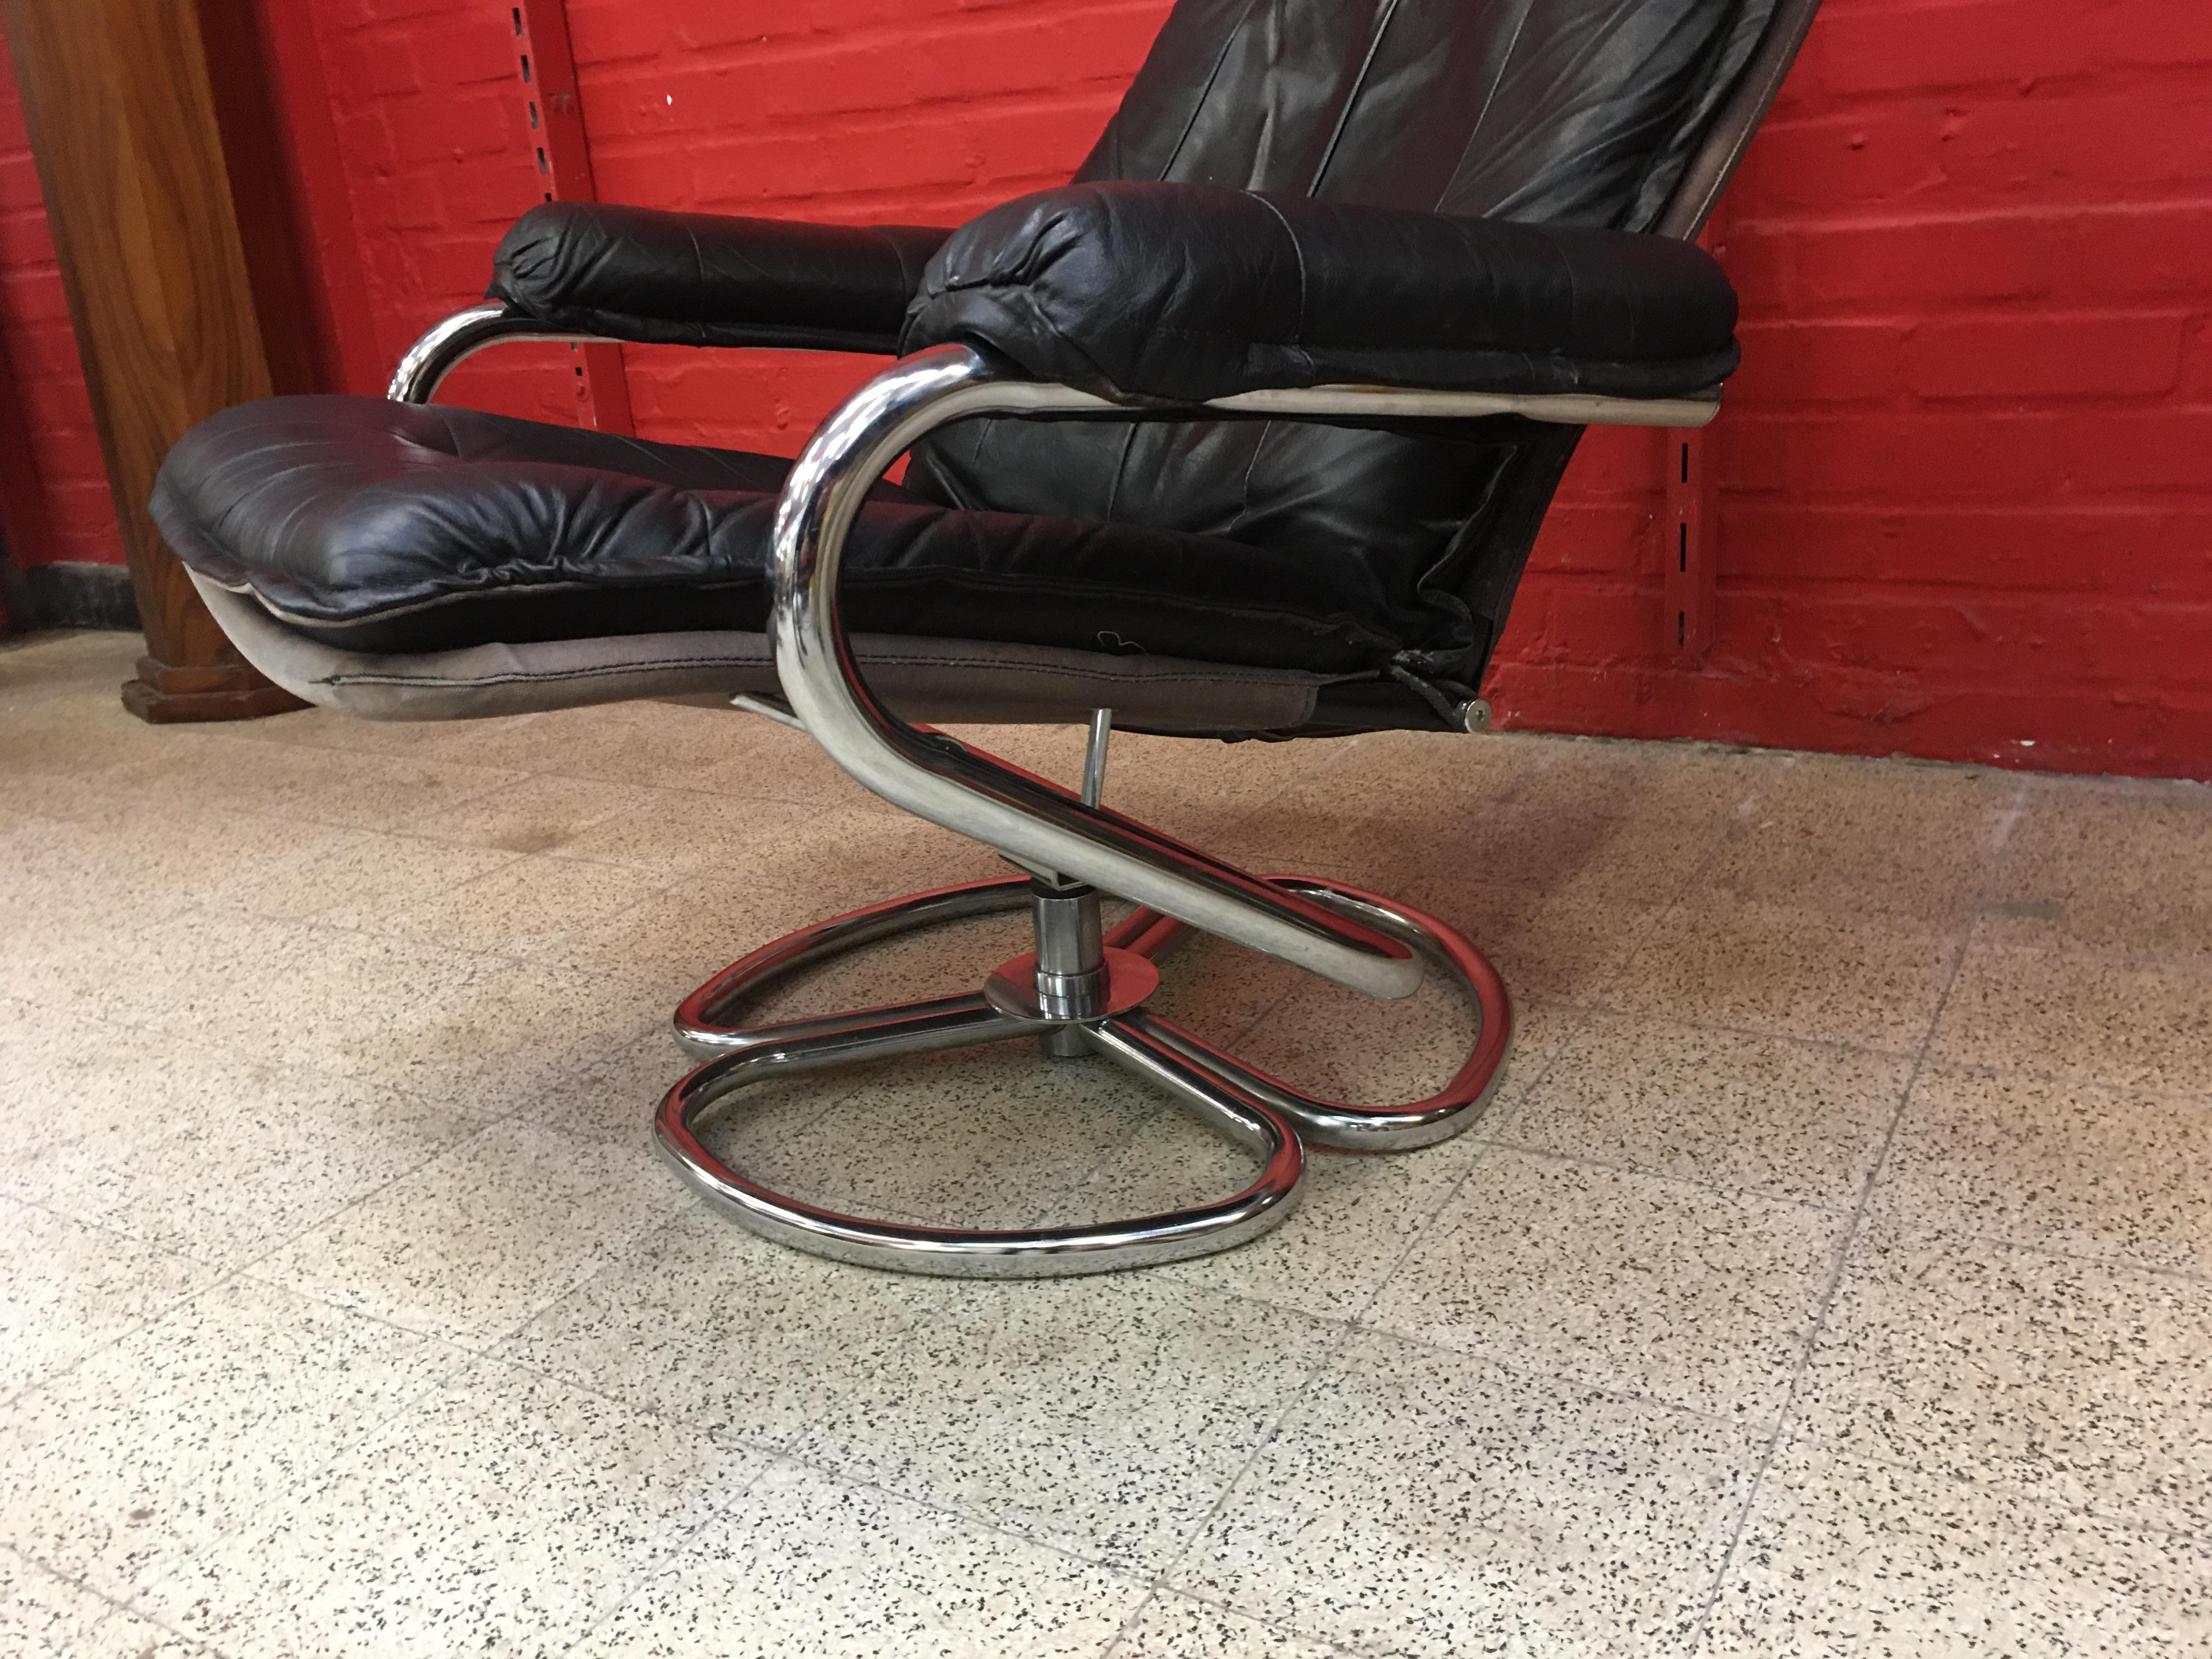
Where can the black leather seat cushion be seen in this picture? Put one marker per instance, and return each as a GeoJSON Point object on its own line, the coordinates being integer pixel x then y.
{"type": "Point", "coordinates": [388, 527]}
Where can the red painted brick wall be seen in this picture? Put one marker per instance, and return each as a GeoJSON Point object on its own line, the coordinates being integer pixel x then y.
{"type": "Point", "coordinates": [1967, 469]}
{"type": "Point", "coordinates": [34, 329]}
{"type": "Point", "coordinates": [1967, 466]}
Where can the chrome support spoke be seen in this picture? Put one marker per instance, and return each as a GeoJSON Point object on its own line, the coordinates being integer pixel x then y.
{"type": "Point", "coordinates": [1216, 1101]}
{"type": "Point", "coordinates": [708, 1022]}
{"type": "Point", "coordinates": [869, 1033]}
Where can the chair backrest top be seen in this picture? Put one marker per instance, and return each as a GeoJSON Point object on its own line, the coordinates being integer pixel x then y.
{"type": "Point", "coordinates": [1567, 111]}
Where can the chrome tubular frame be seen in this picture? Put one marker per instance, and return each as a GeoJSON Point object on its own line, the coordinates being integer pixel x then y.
{"type": "Point", "coordinates": [459, 337]}
{"type": "Point", "coordinates": [451, 340]}
{"type": "Point", "coordinates": [1083, 990]}
{"type": "Point", "coordinates": [1037, 824]}
{"type": "Point", "coordinates": [1267, 1118]}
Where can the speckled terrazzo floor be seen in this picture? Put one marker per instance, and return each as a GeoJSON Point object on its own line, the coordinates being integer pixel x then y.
{"type": "Point", "coordinates": [1834, 1274]}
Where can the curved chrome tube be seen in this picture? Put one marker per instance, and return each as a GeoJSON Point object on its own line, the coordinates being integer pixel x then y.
{"type": "Point", "coordinates": [1269, 1118]}
{"type": "Point", "coordinates": [1339, 1123]}
{"type": "Point", "coordinates": [744, 1056]}
{"type": "Point", "coordinates": [458, 338]}
{"type": "Point", "coordinates": [952, 1252]}
{"type": "Point", "coordinates": [1030, 821]}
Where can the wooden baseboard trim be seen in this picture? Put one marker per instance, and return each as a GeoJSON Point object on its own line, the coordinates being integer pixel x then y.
{"type": "Point", "coordinates": [73, 593]}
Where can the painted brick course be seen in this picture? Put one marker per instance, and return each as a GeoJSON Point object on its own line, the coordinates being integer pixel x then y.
{"type": "Point", "coordinates": [1966, 471]}
{"type": "Point", "coordinates": [41, 351]}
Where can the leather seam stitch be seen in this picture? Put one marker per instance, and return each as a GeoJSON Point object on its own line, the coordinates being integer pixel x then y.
{"type": "Point", "coordinates": [1298, 252]}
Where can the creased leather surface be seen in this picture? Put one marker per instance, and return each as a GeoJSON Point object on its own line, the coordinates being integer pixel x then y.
{"type": "Point", "coordinates": [383, 527]}
{"type": "Point", "coordinates": [1193, 291]}
{"type": "Point", "coordinates": [1550, 112]}
{"type": "Point", "coordinates": [702, 279]}
{"type": "Point", "coordinates": [1563, 113]}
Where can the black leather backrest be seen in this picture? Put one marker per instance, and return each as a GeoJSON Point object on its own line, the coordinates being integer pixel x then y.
{"type": "Point", "coordinates": [1559, 112]}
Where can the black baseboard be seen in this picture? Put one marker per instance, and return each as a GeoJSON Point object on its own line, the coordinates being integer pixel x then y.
{"type": "Point", "coordinates": [70, 594]}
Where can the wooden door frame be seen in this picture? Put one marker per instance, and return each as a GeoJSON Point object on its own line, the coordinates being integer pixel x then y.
{"type": "Point", "coordinates": [160, 158]}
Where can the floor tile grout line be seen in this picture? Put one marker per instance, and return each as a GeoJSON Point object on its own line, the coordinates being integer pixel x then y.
{"type": "Point", "coordinates": [224, 1276]}
{"type": "Point", "coordinates": [839, 1478]}
{"type": "Point", "coordinates": [227, 1272]}
{"type": "Point", "coordinates": [476, 1128]}
{"type": "Point", "coordinates": [1505, 1360]}
{"type": "Point", "coordinates": [1847, 1242]}
{"type": "Point", "coordinates": [163, 926]}
{"type": "Point", "coordinates": [663, 1560]}
{"type": "Point", "coordinates": [129, 1606]}
{"type": "Point", "coordinates": [1135, 1617]}
{"type": "Point", "coordinates": [491, 1349]}
{"type": "Point", "coordinates": [784, 1450]}
{"type": "Point", "coordinates": [2002, 1241]}
{"type": "Point", "coordinates": [1647, 1172]}
{"type": "Point", "coordinates": [436, 1388]}
{"type": "Point", "coordinates": [1360, 1319]}
{"type": "Point", "coordinates": [1342, 1649]}
{"type": "Point", "coordinates": [1293, 1398]}
{"type": "Point", "coordinates": [480, 1126]}
{"type": "Point", "coordinates": [1832, 1045]}
{"type": "Point", "coordinates": [2194, 1537]}
{"type": "Point", "coordinates": [484, 1346]}
{"type": "Point", "coordinates": [1675, 899]}
{"type": "Point", "coordinates": [1155, 1591]}
{"type": "Point", "coordinates": [1530, 1372]}
{"type": "Point", "coordinates": [459, 1354]}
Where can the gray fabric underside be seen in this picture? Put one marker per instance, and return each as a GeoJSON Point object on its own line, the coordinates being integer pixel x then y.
{"type": "Point", "coordinates": [938, 682]}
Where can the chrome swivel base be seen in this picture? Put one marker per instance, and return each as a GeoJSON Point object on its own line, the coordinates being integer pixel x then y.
{"type": "Point", "coordinates": [1082, 992]}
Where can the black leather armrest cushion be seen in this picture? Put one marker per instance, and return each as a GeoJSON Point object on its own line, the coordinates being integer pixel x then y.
{"type": "Point", "coordinates": [1184, 292]}
{"type": "Point", "coordinates": [708, 280]}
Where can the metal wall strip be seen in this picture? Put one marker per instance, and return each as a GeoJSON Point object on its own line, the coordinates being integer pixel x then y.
{"type": "Point", "coordinates": [563, 156]}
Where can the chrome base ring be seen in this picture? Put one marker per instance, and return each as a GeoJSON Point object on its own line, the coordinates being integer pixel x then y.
{"type": "Point", "coordinates": [1262, 1115]}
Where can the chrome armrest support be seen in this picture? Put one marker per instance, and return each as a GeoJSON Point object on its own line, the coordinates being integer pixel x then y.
{"type": "Point", "coordinates": [449, 344]}
{"type": "Point", "coordinates": [1034, 822]}
{"type": "Point", "coordinates": [1397, 403]}
{"type": "Point", "coordinates": [1031, 821]}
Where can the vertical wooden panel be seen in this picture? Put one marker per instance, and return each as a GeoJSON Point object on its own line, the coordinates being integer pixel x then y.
{"type": "Point", "coordinates": [123, 118]}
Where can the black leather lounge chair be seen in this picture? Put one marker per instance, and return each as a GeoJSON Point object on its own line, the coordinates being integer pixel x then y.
{"type": "Point", "coordinates": [1246, 432]}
